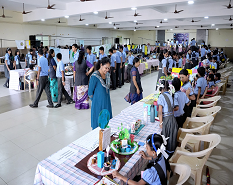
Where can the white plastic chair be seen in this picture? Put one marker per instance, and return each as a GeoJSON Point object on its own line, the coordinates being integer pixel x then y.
{"type": "Point", "coordinates": [196, 160]}
{"type": "Point", "coordinates": [32, 75]}
{"type": "Point", "coordinates": [212, 102]}
{"type": "Point", "coordinates": [183, 170]}
{"type": "Point", "coordinates": [205, 112]}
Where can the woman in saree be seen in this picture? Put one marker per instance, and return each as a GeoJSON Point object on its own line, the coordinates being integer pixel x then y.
{"type": "Point", "coordinates": [81, 81]}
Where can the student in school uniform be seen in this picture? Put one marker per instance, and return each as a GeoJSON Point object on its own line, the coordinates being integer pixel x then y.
{"type": "Point", "coordinates": [42, 81]}
{"type": "Point", "coordinates": [129, 58]}
{"type": "Point", "coordinates": [172, 45]}
{"type": "Point", "coordinates": [119, 61]}
{"type": "Point", "coordinates": [203, 53]}
{"type": "Point", "coordinates": [188, 64]}
{"type": "Point", "coordinates": [200, 89]}
{"type": "Point", "coordinates": [166, 117]}
{"type": "Point", "coordinates": [180, 60]}
{"type": "Point", "coordinates": [126, 50]}
{"type": "Point", "coordinates": [102, 54]}
{"type": "Point", "coordinates": [186, 45]}
{"type": "Point", "coordinates": [76, 52]}
{"type": "Point", "coordinates": [214, 63]}
{"type": "Point", "coordinates": [113, 68]}
{"type": "Point", "coordinates": [90, 56]}
{"type": "Point", "coordinates": [193, 59]}
{"type": "Point", "coordinates": [156, 170]}
{"type": "Point", "coordinates": [180, 100]}
{"type": "Point", "coordinates": [193, 44]}
{"type": "Point", "coordinates": [7, 67]}
{"type": "Point", "coordinates": [17, 64]}
{"type": "Point", "coordinates": [188, 90]}
{"type": "Point", "coordinates": [30, 57]}
{"type": "Point", "coordinates": [197, 56]}
{"type": "Point", "coordinates": [170, 61]}
{"type": "Point", "coordinates": [123, 55]}
{"type": "Point", "coordinates": [60, 74]}
{"type": "Point", "coordinates": [177, 46]}
{"type": "Point", "coordinates": [217, 78]}
{"type": "Point", "coordinates": [210, 81]}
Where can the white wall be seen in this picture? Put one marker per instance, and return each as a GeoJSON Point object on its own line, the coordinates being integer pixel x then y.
{"type": "Point", "coordinates": [169, 33]}
{"type": "Point", "coordinates": [148, 37]}
{"type": "Point", "coordinates": [221, 38]}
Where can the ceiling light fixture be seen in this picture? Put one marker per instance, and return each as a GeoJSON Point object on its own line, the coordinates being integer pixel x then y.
{"type": "Point", "coordinates": [190, 2]}
{"type": "Point", "coordinates": [216, 28]}
{"type": "Point", "coordinates": [157, 26]}
{"type": "Point", "coordinates": [134, 8]}
{"type": "Point", "coordinates": [114, 27]}
{"type": "Point", "coordinates": [110, 22]}
{"type": "Point", "coordinates": [134, 30]}
{"type": "Point", "coordinates": [171, 29]}
{"type": "Point", "coordinates": [135, 21]}
{"type": "Point", "coordinates": [42, 19]}
{"type": "Point", "coordinates": [67, 16]}
{"type": "Point", "coordinates": [212, 24]}
{"type": "Point", "coordinates": [86, 24]}
{"type": "Point", "coordinates": [206, 17]}
{"type": "Point", "coordinates": [95, 12]}
{"type": "Point", "coordinates": [165, 19]}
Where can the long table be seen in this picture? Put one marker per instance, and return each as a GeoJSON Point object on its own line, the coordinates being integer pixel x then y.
{"type": "Point", "coordinates": [51, 173]}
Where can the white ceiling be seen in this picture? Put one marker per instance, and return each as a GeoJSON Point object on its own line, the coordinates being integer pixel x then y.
{"type": "Point", "coordinates": [152, 13]}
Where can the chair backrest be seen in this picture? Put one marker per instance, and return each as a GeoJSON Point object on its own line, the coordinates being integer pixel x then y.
{"type": "Point", "coordinates": [209, 102]}
{"type": "Point", "coordinates": [206, 112]}
{"type": "Point", "coordinates": [214, 92]}
{"type": "Point", "coordinates": [32, 75]}
{"type": "Point", "coordinates": [183, 170]}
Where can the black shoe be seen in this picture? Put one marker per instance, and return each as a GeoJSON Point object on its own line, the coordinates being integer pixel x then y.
{"type": "Point", "coordinates": [5, 86]}
{"type": "Point", "coordinates": [58, 105]}
{"type": "Point", "coordinates": [70, 102]}
{"type": "Point", "coordinates": [49, 106]}
{"type": "Point", "coordinates": [33, 106]}
{"type": "Point", "coordinates": [113, 89]}
{"type": "Point", "coordinates": [119, 86]}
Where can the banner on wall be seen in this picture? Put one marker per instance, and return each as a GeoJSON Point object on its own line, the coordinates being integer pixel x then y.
{"type": "Point", "coordinates": [20, 44]}
{"type": "Point", "coordinates": [181, 36]}
{"type": "Point", "coordinates": [28, 44]}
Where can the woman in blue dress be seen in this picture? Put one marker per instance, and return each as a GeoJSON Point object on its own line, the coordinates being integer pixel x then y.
{"type": "Point", "coordinates": [98, 91]}
{"type": "Point", "coordinates": [7, 67]}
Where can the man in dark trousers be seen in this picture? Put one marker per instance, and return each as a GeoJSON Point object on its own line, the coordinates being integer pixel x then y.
{"type": "Point", "coordinates": [119, 61]}
{"type": "Point", "coordinates": [42, 81]}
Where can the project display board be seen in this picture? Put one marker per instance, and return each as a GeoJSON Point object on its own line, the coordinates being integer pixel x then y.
{"type": "Point", "coordinates": [180, 37]}
{"type": "Point", "coordinates": [65, 54]}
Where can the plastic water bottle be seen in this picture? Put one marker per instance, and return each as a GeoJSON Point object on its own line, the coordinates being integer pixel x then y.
{"type": "Point", "coordinates": [152, 113]}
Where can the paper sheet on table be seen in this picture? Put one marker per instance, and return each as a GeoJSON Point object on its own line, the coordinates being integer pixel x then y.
{"type": "Point", "coordinates": [62, 155]}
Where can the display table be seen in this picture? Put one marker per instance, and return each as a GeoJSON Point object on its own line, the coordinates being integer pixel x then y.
{"type": "Point", "coordinates": [14, 78]}
{"type": "Point", "coordinates": [49, 172]}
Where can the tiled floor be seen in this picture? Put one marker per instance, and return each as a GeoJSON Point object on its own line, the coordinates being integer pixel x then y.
{"type": "Point", "coordinates": [27, 135]}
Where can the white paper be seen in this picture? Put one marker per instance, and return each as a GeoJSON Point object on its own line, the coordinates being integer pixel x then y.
{"type": "Point", "coordinates": [65, 56]}
{"type": "Point", "coordinates": [62, 155]}
{"type": "Point", "coordinates": [106, 138]}
{"type": "Point", "coordinates": [20, 44]}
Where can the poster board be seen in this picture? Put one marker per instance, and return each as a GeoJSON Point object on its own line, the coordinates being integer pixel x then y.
{"type": "Point", "coordinates": [181, 36]}
{"type": "Point", "coordinates": [65, 55]}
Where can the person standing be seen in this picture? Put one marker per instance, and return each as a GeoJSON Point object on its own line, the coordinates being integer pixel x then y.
{"type": "Point", "coordinates": [113, 69]}
{"type": "Point", "coordinates": [123, 55]}
{"type": "Point", "coordinates": [119, 66]}
{"type": "Point", "coordinates": [126, 50]}
{"type": "Point", "coordinates": [52, 75]}
{"type": "Point", "coordinates": [130, 65]}
{"type": "Point", "coordinates": [99, 92]}
{"type": "Point", "coordinates": [102, 54]}
{"type": "Point", "coordinates": [81, 81]}
{"type": "Point", "coordinates": [76, 53]}
{"type": "Point", "coordinates": [91, 58]}
{"type": "Point", "coordinates": [7, 67]}
{"type": "Point", "coordinates": [17, 64]}
{"type": "Point", "coordinates": [60, 74]}
{"type": "Point", "coordinates": [42, 81]}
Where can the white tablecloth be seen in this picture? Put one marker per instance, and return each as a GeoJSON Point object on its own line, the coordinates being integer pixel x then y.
{"type": "Point", "coordinates": [14, 78]}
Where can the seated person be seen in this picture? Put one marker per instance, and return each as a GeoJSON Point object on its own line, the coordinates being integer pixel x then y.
{"type": "Point", "coordinates": [27, 75]}
{"type": "Point", "coordinates": [210, 80]}
{"type": "Point", "coordinates": [217, 78]}
{"type": "Point", "coordinates": [157, 163]}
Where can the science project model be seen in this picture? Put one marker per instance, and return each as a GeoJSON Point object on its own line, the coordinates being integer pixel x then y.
{"type": "Point", "coordinates": [125, 144]}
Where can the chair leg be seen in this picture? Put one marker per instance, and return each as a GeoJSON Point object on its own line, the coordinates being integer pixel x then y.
{"type": "Point", "coordinates": [29, 84]}
{"type": "Point", "coordinates": [198, 179]}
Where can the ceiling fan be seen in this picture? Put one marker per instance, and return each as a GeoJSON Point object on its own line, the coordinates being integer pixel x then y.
{"type": "Point", "coordinates": [229, 19]}
{"type": "Point", "coordinates": [115, 24]}
{"type": "Point", "coordinates": [3, 15]}
{"type": "Point", "coordinates": [136, 14]}
{"type": "Point", "coordinates": [137, 23]}
{"type": "Point", "coordinates": [203, 26]}
{"type": "Point", "coordinates": [24, 12]}
{"type": "Point", "coordinates": [231, 25]}
{"type": "Point", "coordinates": [60, 21]}
{"type": "Point", "coordinates": [228, 6]}
{"type": "Point", "coordinates": [195, 21]}
{"type": "Point", "coordinates": [50, 7]}
{"type": "Point", "coordinates": [81, 19]}
{"type": "Point", "coordinates": [156, 26]}
{"type": "Point", "coordinates": [176, 11]}
{"type": "Point", "coordinates": [119, 28]}
{"type": "Point", "coordinates": [136, 28]}
{"type": "Point", "coordinates": [106, 17]}
{"type": "Point", "coordinates": [161, 22]}
{"type": "Point", "coordinates": [176, 26]}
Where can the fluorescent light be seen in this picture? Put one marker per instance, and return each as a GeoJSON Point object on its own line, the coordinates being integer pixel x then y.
{"type": "Point", "coordinates": [212, 24]}
{"type": "Point", "coordinates": [42, 19]}
{"type": "Point", "coordinates": [190, 2]}
{"type": "Point", "coordinates": [157, 26]}
{"type": "Point", "coordinates": [216, 28]}
{"type": "Point", "coordinates": [95, 12]}
{"type": "Point", "coordinates": [67, 16]}
{"type": "Point", "coordinates": [114, 27]}
{"type": "Point", "coordinates": [135, 21]}
{"type": "Point", "coordinates": [134, 30]}
{"type": "Point", "coordinates": [86, 24]}
{"type": "Point", "coordinates": [165, 19]}
{"type": "Point", "coordinates": [171, 29]}
{"type": "Point", "coordinates": [110, 22]}
{"type": "Point", "coordinates": [206, 17]}
{"type": "Point", "coordinates": [134, 8]}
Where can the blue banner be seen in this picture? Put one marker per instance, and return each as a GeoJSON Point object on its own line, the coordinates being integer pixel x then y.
{"type": "Point", "coordinates": [181, 36]}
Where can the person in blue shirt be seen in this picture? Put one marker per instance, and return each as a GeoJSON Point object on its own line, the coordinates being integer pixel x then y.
{"type": "Point", "coordinates": [82, 48]}
{"type": "Point", "coordinates": [42, 81]}
{"type": "Point", "coordinates": [113, 68]}
{"type": "Point", "coordinates": [177, 44]}
{"type": "Point", "coordinates": [156, 170]}
{"type": "Point", "coordinates": [200, 89]}
{"type": "Point", "coordinates": [172, 45]}
{"type": "Point", "coordinates": [30, 57]}
{"type": "Point", "coordinates": [197, 57]}
{"type": "Point", "coordinates": [188, 64]}
{"type": "Point", "coordinates": [129, 58]}
{"type": "Point", "coordinates": [203, 53]}
{"type": "Point", "coordinates": [188, 90]}
{"type": "Point", "coordinates": [90, 56]}
{"type": "Point", "coordinates": [193, 44]}
{"type": "Point", "coordinates": [186, 45]}
{"type": "Point", "coordinates": [180, 60]}
{"type": "Point", "coordinates": [210, 81]}
{"type": "Point", "coordinates": [17, 64]}
{"type": "Point", "coordinates": [180, 100]}
{"type": "Point", "coordinates": [7, 67]}
{"type": "Point", "coordinates": [123, 55]}
{"type": "Point", "coordinates": [170, 61]}
{"type": "Point", "coordinates": [119, 61]}
{"type": "Point", "coordinates": [126, 50]}
{"type": "Point", "coordinates": [60, 74]}
{"type": "Point", "coordinates": [164, 44]}
{"type": "Point", "coordinates": [102, 54]}
{"type": "Point", "coordinates": [76, 53]}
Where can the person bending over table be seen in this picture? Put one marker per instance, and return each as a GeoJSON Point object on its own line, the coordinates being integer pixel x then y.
{"type": "Point", "coordinates": [156, 170]}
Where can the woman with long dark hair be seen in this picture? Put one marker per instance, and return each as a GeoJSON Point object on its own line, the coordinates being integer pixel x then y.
{"type": "Point", "coordinates": [99, 90]}
{"type": "Point", "coordinates": [7, 67]}
{"type": "Point", "coordinates": [163, 65]}
{"type": "Point", "coordinates": [52, 75]}
{"type": "Point", "coordinates": [17, 64]}
{"type": "Point", "coordinates": [81, 81]}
